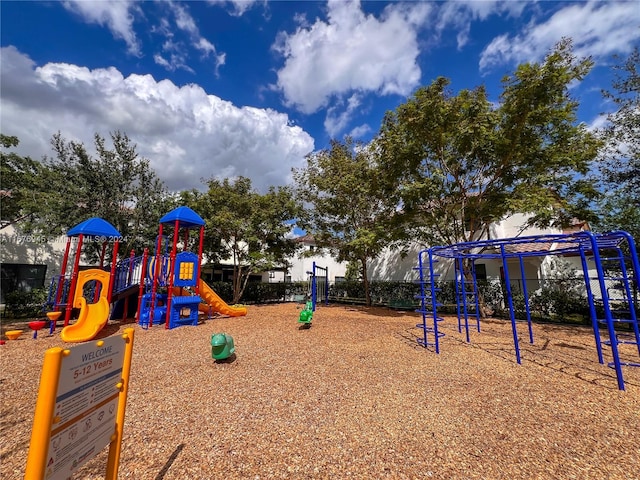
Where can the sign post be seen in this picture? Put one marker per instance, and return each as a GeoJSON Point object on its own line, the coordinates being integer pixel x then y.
{"type": "Point", "coordinates": [80, 407]}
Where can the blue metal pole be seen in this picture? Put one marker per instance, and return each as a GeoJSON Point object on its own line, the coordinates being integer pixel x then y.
{"type": "Point", "coordinates": [423, 305]}
{"type": "Point", "coordinates": [476, 293]}
{"type": "Point", "coordinates": [636, 270]}
{"type": "Point", "coordinates": [613, 339]}
{"type": "Point", "coordinates": [507, 280]}
{"type": "Point", "coordinates": [326, 286]}
{"type": "Point", "coordinates": [592, 306]}
{"type": "Point", "coordinates": [313, 286]}
{"type": "Point", "coordinates": [434, 303]}
{"type": "Point", "coordinates": [525, 293]}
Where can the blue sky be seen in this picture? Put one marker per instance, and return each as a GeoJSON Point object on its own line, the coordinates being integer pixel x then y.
{"type": "Point", "coordinates": [228, 88]}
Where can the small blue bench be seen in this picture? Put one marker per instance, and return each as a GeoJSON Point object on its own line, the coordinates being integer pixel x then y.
{"type": "Point", "coordinates": [178, 304]}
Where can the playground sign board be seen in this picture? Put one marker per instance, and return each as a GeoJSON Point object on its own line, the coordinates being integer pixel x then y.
{"type": "Point", "coordinates": [80, 407]}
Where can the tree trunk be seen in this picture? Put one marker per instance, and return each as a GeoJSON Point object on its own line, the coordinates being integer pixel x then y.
{"type": "Point", "coordinates": [485, 310]}
{"type": "Point", "coordinates": [240, 280]}
{"type": "Point", "coordinates": [237, 282]}
{"type": "Point", "coordinates": [365, 283]}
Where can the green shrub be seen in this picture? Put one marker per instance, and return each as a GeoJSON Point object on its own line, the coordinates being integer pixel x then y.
{"type": "Point", "coordinates": [554, 301]}
{"type": "Point", "coordinates": [223, 289]}
{"type": "Point", "coordinates": [382, 293]}
{"type": "Point", "coordinates": [22, 304]}
{"type": "Point", "coordinates": [259, 292]}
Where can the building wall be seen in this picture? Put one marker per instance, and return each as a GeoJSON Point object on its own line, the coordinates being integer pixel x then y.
{"type": "Point", "coordinates": [396, 265]}
{"type": "Point", "coordinates": [19, 248]}
{"type": "Point", "coordinates": [513, 226]}
{"type": "Point", "coordinates": [301, 265]}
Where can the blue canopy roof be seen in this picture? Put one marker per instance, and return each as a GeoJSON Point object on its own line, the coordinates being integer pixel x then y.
{"type": "Point", "coordinates": [95, 226]}
{"type": "Point", "coordinates": [187, 217]}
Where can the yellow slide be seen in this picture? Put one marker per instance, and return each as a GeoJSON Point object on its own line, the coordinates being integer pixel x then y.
{"type": "Point", "coordinates": [218, 305]}
{"type": "Point", "coordinates": [93, 316]}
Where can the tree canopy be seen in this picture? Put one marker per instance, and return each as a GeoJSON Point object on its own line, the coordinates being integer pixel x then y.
{"type": "Point", "coordinates": [460, 162]}
{"type": "Point", "coordinates": [621, 157]}
{"type": "Point", "coordinates": [244, 226]}
{"type": "Point", "coordinates": [54, 195]}
{"type": "Point", "coordinates": [347, 210]}
{"type": "Point", "coordinates": [20, 196]}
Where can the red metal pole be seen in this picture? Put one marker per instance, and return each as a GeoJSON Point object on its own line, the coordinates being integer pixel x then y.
{"type": "Point", "coordinates": [156, 271]}
{"type": "Point", "coordinates": [199, 268]}
{"type": "Point", "coordinates": [172, 262]}
{"type": "Point", "coordinates": [112, 274]}
{"type": "Point", "coordinates": [74, 281]}
{"type": "Point", "coordinates": [63, 274]}
{"type": "Point", "coordinates": [143, 275]}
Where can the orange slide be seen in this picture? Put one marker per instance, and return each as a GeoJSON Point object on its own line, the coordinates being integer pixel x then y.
{"type": "Point", "coordinates": [211, 299]}
{"type": "Point", "coordinates": [93, 316]}
{"type": "Point", "coordinates": [218, 305]}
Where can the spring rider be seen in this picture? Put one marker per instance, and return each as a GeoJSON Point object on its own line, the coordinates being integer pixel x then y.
{"type": "Point", "coordinates": [306, 315]}
{"type": "Point", "coordinates": [221, 346]}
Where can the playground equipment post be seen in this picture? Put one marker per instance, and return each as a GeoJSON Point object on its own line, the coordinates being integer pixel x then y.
{"type": "Point", "coordinates": [80, 408]}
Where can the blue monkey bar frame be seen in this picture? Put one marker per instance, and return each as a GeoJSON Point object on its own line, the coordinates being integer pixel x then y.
{"type": "Point", "coordinates": [322, 287]}
{"type": "Point", "coordinates": [614, 256]}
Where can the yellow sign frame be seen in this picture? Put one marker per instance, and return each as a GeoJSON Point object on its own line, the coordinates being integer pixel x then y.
{"type": "Point", "coordinates": [46, 420]}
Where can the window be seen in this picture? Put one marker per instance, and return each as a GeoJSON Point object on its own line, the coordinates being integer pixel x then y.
{"type": "Point", "coordinates": [22, 277]}
{"type": "Point", "coordinates": [339, 279]}
{"type": "Point", "coordinates": [481, 271]}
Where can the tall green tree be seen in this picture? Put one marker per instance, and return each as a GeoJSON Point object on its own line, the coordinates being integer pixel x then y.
{"type": "Point", "coordinates": [20, 189]}
{"type": "Point", "coordinates": [348, 212]}
{"type": "Point", "coordinates": [117, 185]}
{"type": "Point", "coordinates": [246, 227]}
{"type": "Point", "coordinates": [620, 169]}
{"type": "Point", "coordinates": [461, 162]}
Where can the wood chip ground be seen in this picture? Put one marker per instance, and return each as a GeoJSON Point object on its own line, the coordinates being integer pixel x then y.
{"type": "Point", "coordinates": [354, 396]}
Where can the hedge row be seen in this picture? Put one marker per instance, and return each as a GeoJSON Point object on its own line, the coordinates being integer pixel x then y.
{"type": "Point", "coordinates": [549, 302]}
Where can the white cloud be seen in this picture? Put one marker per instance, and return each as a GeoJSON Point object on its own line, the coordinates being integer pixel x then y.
{"type": "Point", "coordinates": [597, 29]}
{"type": "Point", "coordinates": [459, 14]}
{"type": "Point", "coordinates": [117, 15]}
{"type": "Point", "coordinates": [339, 116]}
{"type": "Point", "coordinates": [186, 23]}
{"type": "Point", "coordinates": [238, 7]}
{"type": "Point", "coordinates": [351, 52]}
{"type": "Point", "coordinates": [360, 131]}
{"type": "Point", "coordinates": [184, 132]}
{"type": "Point", "coordinates": [598, 123]}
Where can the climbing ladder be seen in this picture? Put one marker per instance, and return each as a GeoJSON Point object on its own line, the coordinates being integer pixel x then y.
{"type": "Point", "coordinates": [466, 295]}
{"type": "Point", "coordinates": [615, 268]}
{"type": "Point", "coordinates": [428, 302]}
{"type": "Point", "coordinates": [615, 307]}
{"type": "Point", "coordinates": [319, 278]}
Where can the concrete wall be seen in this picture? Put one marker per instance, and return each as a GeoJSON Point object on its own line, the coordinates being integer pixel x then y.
{"type": "Point", "coordinates": [19, 248]}
{"type": "Point", "coordinates": [302, 264]}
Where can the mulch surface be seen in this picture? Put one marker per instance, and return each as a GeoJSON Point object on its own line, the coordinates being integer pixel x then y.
{"type": "Point", "coordinates": [354, 396]}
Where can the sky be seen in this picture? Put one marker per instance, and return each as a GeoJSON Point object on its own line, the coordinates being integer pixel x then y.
{"type": "Point", "coordinates": [248, 88]}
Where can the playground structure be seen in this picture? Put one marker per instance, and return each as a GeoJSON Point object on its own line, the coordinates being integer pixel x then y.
{"type": "Point", "coordinates": [318, 288]}
{"type": "Point", "coordinates": [222, 346]}
{"type": "Point", "coordinates": [161, 288]}
{"type": "Point", "coordinates": [319, 285]}
{"type": "Point", "coordinates": [615, 261]}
